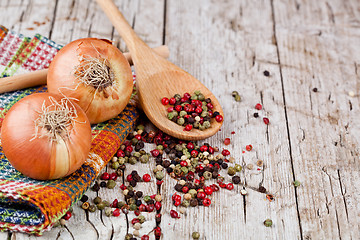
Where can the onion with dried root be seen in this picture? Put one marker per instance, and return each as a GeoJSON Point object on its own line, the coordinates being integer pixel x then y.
{"type": "Point", "coordinates": [94, 72]}
{"type": "Point", "coordinates": [46, 136]}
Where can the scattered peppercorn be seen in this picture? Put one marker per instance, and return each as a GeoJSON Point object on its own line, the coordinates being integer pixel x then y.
{"type": "Point", "coordinates": [268, 223]}
{"type": "Point", "coordinates": [195, 235]}
{"type": "Point", "coordinates": [296, 183]}
{"type": "Point", "coordinates": [256, 115]}
{"type": "Point", "coordinates": [315, 89]}
{"type": "Point", "coordinates": [266, 73]}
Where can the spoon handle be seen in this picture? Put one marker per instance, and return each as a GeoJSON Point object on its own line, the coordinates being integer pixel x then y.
{"type": "Point", "coordinates": [132, 41]}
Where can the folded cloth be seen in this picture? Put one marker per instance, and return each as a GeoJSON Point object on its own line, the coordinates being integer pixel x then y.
{"type": "Point", "coordinates": [33, 206]}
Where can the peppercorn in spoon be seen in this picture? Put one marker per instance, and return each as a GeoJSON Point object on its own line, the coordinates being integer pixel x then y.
{"type": "Point", "coordinates": [157, 78]}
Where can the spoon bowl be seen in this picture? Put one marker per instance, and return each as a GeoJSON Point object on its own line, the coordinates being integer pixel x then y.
{"type": "Point", "coordinates": [157, 78]}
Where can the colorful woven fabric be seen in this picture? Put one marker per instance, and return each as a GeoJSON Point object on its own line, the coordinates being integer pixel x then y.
{"type": "Point", "coordinates": [33, 206]}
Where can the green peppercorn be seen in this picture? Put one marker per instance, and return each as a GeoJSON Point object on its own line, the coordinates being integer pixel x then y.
{"type": "Point", "coordinates": [180, 121]}
{"type": "Point", "coordinates": [141, 219]}
{"type": "Point", "coordinates": [128, 236]}
{"type": "Point", "coordinates": [185, 170]}
{"type": "Point", "coordinates": [192, 192]}
{"type": "Point", "coordinates": [194, 97]}
{"type": "Point", "coordinates": [231, 171]}
{"type": "Point", "coordinates": [115, 165]}
{"type": "Point", "coordinates": [201, 127]}
{"type": "Point", "coordinates": [206, 124]}
{"type": "Point", "coordinates": [140, 127]}
{"type": "Point", "coordinates": [144, 158]}
{"type": "Point", "coordinates": [237, 98]}
{"type": "Point", "coordinates": [134, 141]}
{"type": "Point", "coordinates": [207, 175]}
{"type": "Point", "coordinates": [106, 203]}
{"type": "Point", "coordinates": [170, 115]}
{"type": "Point", "coordinates": [177, 171]}
{"type": "Point", "coordinates": [111, 184]}
{"type": "Point", "coordinates": [132, 160]}
{"type": "Point", "coordinates": [100, 206]}
{"type": "Point", "coordinates": [185, 203]}
{"type": "Point", "coordinates": [160, 147]}
{"type": "Point", "coordinates": [178, 147]}
{"type": "Point", "coordinates": [92, 208]}
{"type": "Point", "coordinates": [182, 113]}
{"type": "Point", "coordinates": [268, 223]}
{"type": "Point", "coordinates": [297, 183]}
{"type": "Point", "coordinates": [201, 97]}
{"type": "Point", "coordinates": [238, 168]}
{"type": "Point", "coordinates": [159, 175]}
{"type": "Point", "coordinates": [204, 114]}
{"type": "Point", "coordinates": [196, 124]}
{"type": "Point", "coordinates": [234, 93]}
{"type": "Point", "coordinates": [133, 207]}
{"type": "Point", "coordinates": [137, 154]}
{"type": "Point", "coordinates": [197, 92]}
{"type": "Point", "coordinates": [97, 200]}
{"type": "Point", "coordinates": [195, 235]}
{"type": "Point", "coordinates": [85, 205]}
{"type": "Point", "coordinates": [121, 160]}
{"type": "Point", "coordinates": [108, 211]}
{"type": "Point", "coordinates": [147, 198]}
{"type": "Point", "coordinates": [177, 97]}
{"type": "Point", "coordinates": [120, 204]}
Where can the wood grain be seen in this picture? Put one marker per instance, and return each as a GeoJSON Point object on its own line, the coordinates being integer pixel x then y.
{"type": "Point", "coordinates": [313, 136]}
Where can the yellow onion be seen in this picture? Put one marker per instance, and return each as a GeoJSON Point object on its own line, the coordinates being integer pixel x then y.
{"type": "Point", "coordinates": [46, 136]}
{"type": "Point", "coordinates": [94, 72]}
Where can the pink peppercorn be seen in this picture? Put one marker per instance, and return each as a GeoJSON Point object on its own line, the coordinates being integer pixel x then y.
{"type": "Point", "coordinates": [258, 106]}
{"type": "Point", "coordinates": [165, 101]}
{"type": "Point", "coordinates": [266, 120]}
{"type": "Point", "coordinates": [174, 214]}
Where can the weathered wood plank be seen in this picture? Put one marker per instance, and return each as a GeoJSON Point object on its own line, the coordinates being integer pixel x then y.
{"type": "Point", "coordinates": [228, 49]}
{"type": "Point", "coordinates": [316, 43]}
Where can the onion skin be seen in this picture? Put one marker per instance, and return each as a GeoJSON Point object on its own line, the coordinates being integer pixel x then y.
{"type": "Point", "coordinates": [98, 105]}
{"type": "Point", "coordinates": [42, 158]}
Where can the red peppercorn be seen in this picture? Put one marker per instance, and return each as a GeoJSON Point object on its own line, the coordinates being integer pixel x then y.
{"type": "Point", "coordinates": [196, 181]}
{"type": "Point", "coordinates": [178, 108]}
{"type": "Point", "coordinates": [174, 214]}
{"type": "Point", "coordinates": [198, 110]}
{"type": "Point", "coordinates": [150, 207]}
{"type": "Point", "coordinates": [227, 141]}
{"type": "Point", "coordinates": [211, 150]}
{"type": "Point", "coordinates": [194, 153]}
{"type": "Point", "coordinates": [190, 146]}
{"type": "Point", "coordinates": [176, 197]}
{"type": "Point", "coordinates": [249, 147]}
{"type": "Point", "coordinates": [116, 212]}
{"type": "Point", "coordinates": [129, 178]}
{"type": "Point", "coordinates": [210, 106]}
{"type": "Point", "coordinates": [215, 188]}
{"type": "Point", "coordinates": [187, 95]}
{"type": "Point", "coordinates": [114, 203]}
{"type": "Point", "coordinates": [159, 182]}
{"type": "Point", "coordinates": [258, 106]}
{"type": "Point", "coordinates": [188, 127]}
{"type": "Point", "coordinates": [185, 189]}
{"type": "Point", "coordinates": [165, 101]}
{"type": "Point", "coordinates": [129, 148]}
{"type": "Point", "coordinates": [225, 152]}
{"type": "Point", "coordinates": [170, 109]}
{"type": "Point", "coordinates": [172, 101]}
{"type": "Point", "coordinates": [201, 195]}
{"type": "Point", "coordinates": [157, 233]}
{"type": "Point", "coordinates": [219, 118]}
{"type": "Point", "coordinates": [113, 176]}
{"type": "Point", "coordinates": [142, 208]}
{"type": "Point", "coordinates": [155, 152]}
{"type": "Point", "coordinates": [67, 215]}
{"type": "Point", "coordinates": [229, 186]}
{"type": "Point", "coordinates": [105, 176]}
{"type": "Point", "coordinates": [145, 237]}
{"type": "Point", "coordinates": [120, 153]}
{"type": "Point", "coordinates": [208, 190]}
{"type": "Point", "coordinates": [222, 185]}
{"type": "Point", "coordinates": [203, 148]}
{"type": "Point", "coordinates": [233, 132]}
{"type": "Point", "coordinates": [135, 220]}
{"type": "Point", "coordinates": [137, 212]}
{"type": "Point", "coordinates": [177, 203]}
{"type": "Point", "coordinates": [138, 136]}
{"type": "Point", "coordinates": [123, 187]}
{"type": "Point", "coordinates": [146, 177]}
{"type": "Point", "coordinates": [266, 120]}
{"type": "Point", "coordinates": [210, 113]}
{"type": "Point", "coordinates": [183, 100]}
{"type": "Point", "coordinates": [206, 202]}
{"type": "Point", "coordinates": [158, 206]}
{"type": "Point", "coordinates": [183, 163]}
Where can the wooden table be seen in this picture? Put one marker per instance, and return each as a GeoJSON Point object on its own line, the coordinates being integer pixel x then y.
{"type": "Point", "coordinates": [311, 96]}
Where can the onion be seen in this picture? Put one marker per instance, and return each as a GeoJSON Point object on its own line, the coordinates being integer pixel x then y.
{"type": "Point", "coordinates": [94, 72]}
{"type": "Point", "coordinates": [46, 136]}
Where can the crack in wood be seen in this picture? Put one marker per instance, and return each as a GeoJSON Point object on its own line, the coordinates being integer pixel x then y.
{"type": "Point", "coordinates": [330, 13]}
{"type": "Point", "coordinates": [72, 236]}
{"type": "Point", "coordinates": [164, 25]}
{"type": "Point", "coordinates": [275, 41]}
{"type": "Point", "coordinates": [53, 19]}
{"type": "Point", "coordinates": [343, 192]}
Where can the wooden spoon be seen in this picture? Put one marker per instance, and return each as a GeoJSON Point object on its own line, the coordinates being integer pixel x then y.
{"type": "Point", "coordinates": [157, 78]}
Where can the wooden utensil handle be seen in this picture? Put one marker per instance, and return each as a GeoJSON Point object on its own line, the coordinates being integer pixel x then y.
{"type": "Point", "coordinates": [38, 77]}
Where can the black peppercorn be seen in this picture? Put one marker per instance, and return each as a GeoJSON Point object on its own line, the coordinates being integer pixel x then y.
{"type": "Point", "coordinates": [315, 89]}
{"type": "Point", "coordinates": [157, 220]}
{"type": "Point", "coordinates": [139, 194]}
{"type": "Point", "coordinates": [236, 179]}
{"type": "Point", "coordinates": [208, 100]}
{"type": "Point", "coordinates": [266, 73]}
{"type": "Point", "coordinates": [166, 163]}
{"type": "Point", "coordinates": [133, 183]}
{"type": "Point", "coordinates": [167, 150]}
{"type": "Point", "coordinates": [256, 115]}
{"type": "Point", "coordinates": [103, 184]}
{"type": "Point", "coordinates": [215, 175]}
{"type": "Point", "coordinates": [130, 136]}
{"type": "Point", "coordinates": [193, 202]}
{"type": "Point", "coordinates": [178, 187]}
{"type": "Point", "coordinates": [216, 113]}
{"type": "Point", "coordinates": [84, 198]}
{"type": "Point", "coordinates": [169, 170]}
{"type": "Point", "coordinates": [138, 202]}
{"type": "Point", "coordinates": [224, 165]}
{"type": "Point", "coordinates": [96, 187]}
{"type": "Point", "coordinates": [262, 189]}
{"type": "Point", "coordinates": [131, 193]}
